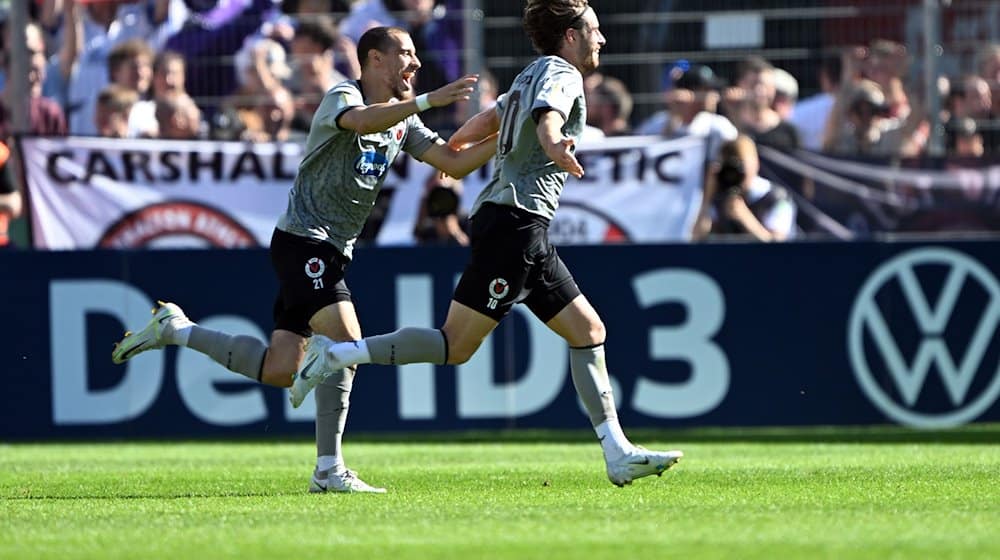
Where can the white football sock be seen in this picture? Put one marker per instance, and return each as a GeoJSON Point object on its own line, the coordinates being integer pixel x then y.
{"type": "Point", "coordinates": [353, 352]}
{"type": "Point", "coordinates": [329, 463]}
{"type": "Point", "coordinates": [613, 440]}
{"type": "Point", "coordinates": [179, 335]}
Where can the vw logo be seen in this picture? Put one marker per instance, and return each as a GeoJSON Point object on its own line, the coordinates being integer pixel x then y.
{"type": "Point", "coordinates": [921, 335]}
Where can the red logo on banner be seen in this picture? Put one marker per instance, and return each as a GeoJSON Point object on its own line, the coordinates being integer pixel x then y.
{"type": "Point", "coordinates": [203, 225]}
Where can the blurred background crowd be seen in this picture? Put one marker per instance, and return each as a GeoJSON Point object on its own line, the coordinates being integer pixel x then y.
{"type": "Point", "coordinates": [885, 80]}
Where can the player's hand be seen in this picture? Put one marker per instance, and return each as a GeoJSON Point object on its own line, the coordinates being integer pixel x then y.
{"type": "Point", "coordinates": [562, 155]}
{"type": "Point", "coordinates": [459, 90]}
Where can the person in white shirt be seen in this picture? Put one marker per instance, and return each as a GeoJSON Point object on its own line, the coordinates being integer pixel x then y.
{"type": "Point", "coordinates": [812, 113]}
{"type": "Point", "coordinates": [691, 110]}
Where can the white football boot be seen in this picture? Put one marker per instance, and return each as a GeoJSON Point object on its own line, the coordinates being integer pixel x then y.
{"type": "Point", "coordinates": [317, 364]}
{"type": "Point", "coordinates": [640, 462]}
{"type": "Point", "coordinates": [344, 480]}
{"type": "Point", "coordinates": [167, 316]}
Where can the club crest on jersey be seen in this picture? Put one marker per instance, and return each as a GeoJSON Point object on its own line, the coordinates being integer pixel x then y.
{"type": "Point", "coordinates": [371, 164]}
{"type": "Point", "coordinates": [399, 134]}
{"type": "Point", "coordinates": [499, 288]}
{"type": "Point", "coordinates": [315, 268]}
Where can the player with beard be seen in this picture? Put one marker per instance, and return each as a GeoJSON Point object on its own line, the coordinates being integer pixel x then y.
{"type": "Point", "coordinates": [539, 120]}
{"type": "Point", "coordinates": [358, 130]}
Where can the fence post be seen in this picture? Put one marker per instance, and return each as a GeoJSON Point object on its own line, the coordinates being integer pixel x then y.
{"type": "Point", "coordinates": [933, 49]}
{"type": "Point", "coordinates": [472, 36]}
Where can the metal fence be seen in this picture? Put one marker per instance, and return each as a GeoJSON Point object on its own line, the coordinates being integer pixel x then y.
{"type": "Point", "coordinates": [645, 37]}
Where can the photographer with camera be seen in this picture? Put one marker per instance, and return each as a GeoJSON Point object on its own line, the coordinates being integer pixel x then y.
{"type": "Point", "coordinates": [441, 220]}
{"type": "Point", "coordinates": [737, 201]}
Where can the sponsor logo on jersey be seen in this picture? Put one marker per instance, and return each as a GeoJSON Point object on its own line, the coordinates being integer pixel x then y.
{"type": "Point", "coordinates": [371, 164]}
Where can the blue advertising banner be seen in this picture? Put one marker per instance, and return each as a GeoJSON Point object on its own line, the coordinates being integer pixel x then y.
{"type": "Point", "coordinates": [698, 335]}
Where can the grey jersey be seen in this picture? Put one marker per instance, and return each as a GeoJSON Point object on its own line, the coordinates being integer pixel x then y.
{"type": "Point", "coordinates": [342, 171]}
{"type": "Point", "coordinates": [523, 176]}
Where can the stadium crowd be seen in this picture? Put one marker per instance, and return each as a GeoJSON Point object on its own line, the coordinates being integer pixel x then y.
{"type": "Point", "coordinates": [255, 70]}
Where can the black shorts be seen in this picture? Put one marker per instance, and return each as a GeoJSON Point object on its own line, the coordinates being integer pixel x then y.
{"type": "Point", "coordinates": [310, 277]}
{"type": "Point", "coordinates": [513, 262]}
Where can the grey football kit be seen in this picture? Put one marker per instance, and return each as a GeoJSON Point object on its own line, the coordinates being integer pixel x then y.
{"type": "Point", "coordinates": [334, 192]}
{"type": "Point", "coordinates": [512, 260]}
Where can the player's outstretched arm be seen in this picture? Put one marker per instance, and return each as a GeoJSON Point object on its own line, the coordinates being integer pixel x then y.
{"type": "Point", "coordinates": [476, 129]}
{"type": "Point", "coordinates": [459, 163]}
{"type": "Point", "coordinates": [557, 147]}
{"type": "Point", "coordinates": [381, 116]}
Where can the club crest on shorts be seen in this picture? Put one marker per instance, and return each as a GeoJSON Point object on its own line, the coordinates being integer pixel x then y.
{"type": "Point", "coordinates": [499, 288]}
{"type": "Point", "coordinates": [315, 268]}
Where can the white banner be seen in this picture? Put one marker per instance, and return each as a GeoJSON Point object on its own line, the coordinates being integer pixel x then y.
{"type": "Point", "coordinates": [98, 192]}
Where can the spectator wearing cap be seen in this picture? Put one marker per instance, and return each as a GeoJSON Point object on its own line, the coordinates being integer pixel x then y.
{"type": "Point", "coordinates": [692, 103]}
{"type": "Point", "coordinates": [750, 104]}
{"type": "Point", "coordinates": [811, 114]}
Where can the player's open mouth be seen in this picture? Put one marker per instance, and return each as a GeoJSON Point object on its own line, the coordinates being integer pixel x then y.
{"type": "Point", "coordinates": [408, 78]}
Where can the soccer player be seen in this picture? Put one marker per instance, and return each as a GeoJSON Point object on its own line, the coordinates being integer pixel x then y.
{"type": "Point", "coordinates": [358, 130]}
{"type": "Point", "coordinates": [539, 121]}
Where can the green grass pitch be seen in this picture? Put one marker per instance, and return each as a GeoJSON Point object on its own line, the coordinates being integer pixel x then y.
{"type": "Point", "coordinates": [774, 494]}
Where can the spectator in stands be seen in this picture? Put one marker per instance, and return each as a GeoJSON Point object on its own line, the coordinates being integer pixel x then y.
{"type": "Point", "coordinates": [861, 125]}
{"type": "Point", "coordinates": [169, 74]}
{"type": "Point", "coordinates": [963, 139]}
{"type": "Point", "coordinates": [130, 65]}
{"type": "Point", "coordinates": [45, 116]}
{"type": "Point", "coordinates": [738, 201]}
{"type": "Point", "coordinates": [692, 105]}
{"type": "Point", "coordinates": [750, 105]}
{"type": "Point", "coordinates": [10, 197]}
{"type": "Point", "coordinates": [988, 66]}
{"type": "Point", "coordinates": [886, 65]}
{"type": "Point", "coordinates": [213, 33]}
{"type": "Point", "coordinates": [114, 104]}
{"type": "Point", "coordinates": [177, 117]}
{"type": "Point", "coordinates": [812, 113]}
{"type": "Point", "coordinates": [441, 220]}
{"type": "Point", "coordinates": [345, 49]}
{"type": "Point", "coordinates": [970, 97]}
{"type": "Point", "coordinates": [786, 93]}
{"type": "Point", "coordinates": [262, 109]}
{"type": "Point", "coordinates": [91, 30]}
{"type": "Point", "coordinates": [609, 106]}
{"type": "Point", "coordinates": [312, 53]}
